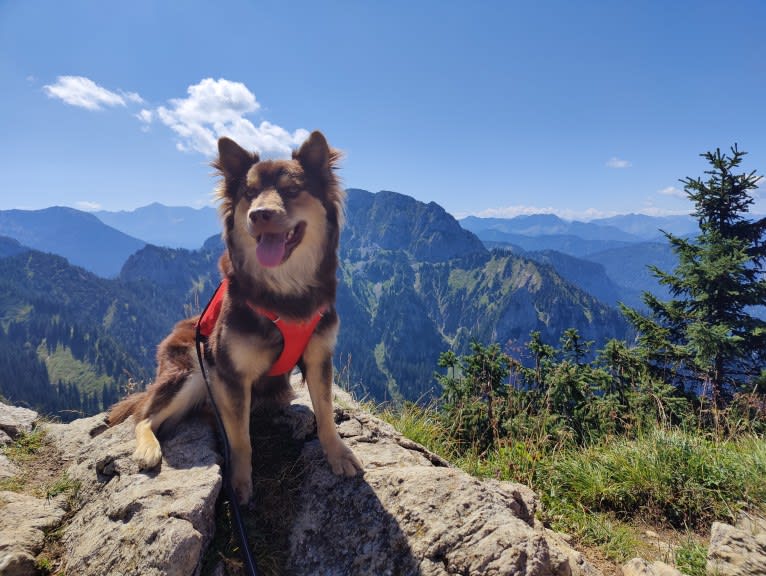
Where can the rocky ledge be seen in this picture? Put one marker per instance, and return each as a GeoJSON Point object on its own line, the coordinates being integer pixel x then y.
{"type": "Point", "coordinates": [410, 513]}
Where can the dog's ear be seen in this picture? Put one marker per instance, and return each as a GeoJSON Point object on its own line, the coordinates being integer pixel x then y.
{"type": "Point", "coordinates": [316, 157]}
{"type": "Point", "coordinates": [233, 160]}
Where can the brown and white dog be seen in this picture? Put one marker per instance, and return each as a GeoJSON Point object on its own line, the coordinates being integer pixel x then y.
{"type": "Point", "coordinates": [281, 224]}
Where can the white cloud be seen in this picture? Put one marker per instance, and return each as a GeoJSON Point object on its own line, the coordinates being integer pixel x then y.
{"type": "Point", "coordinates": [88, 206]}
{"type": "Point", "coordinates": [673, 191]}
{"type": "Point", "coordinates": [85, 93]}
{"type": "Point", "coordinates": [146, 116]}
{"type": "Point", "coordinates": [212, 108]}
{"type": "Point", "coordinates": [615, 162]}
{"type": "Point", "coordinates": [216, 108]}
{"type": "Point", "coordinates": [133, 97]}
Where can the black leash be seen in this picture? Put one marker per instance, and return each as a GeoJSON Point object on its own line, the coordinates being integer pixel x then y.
{"type": "Point", "coordinates": [247, 555]}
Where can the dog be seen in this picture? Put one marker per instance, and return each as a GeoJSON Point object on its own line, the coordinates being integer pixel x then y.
{"type": "Point", "coordinates": [281, 226]}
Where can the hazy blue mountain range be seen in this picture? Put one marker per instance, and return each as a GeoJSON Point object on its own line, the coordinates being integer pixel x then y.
{"type": "Point", "coordinates": [530, 235]}
{"type": "Point", "coordinates": [564, 243]}
{"type": "Point", "coordinates": [78, 236]}
{"type": "Point", "coordinates": [546, 225]}
{"type": "Point", "coordinates": [625, 227]}
{"type": "Point", "coordinates": [628, 268]}
{"type": "Point", "coordinates": [171, 226]}
{"type": "Point", "coordinates": [650, 227]}
{"type": "Point", "coordinates": [573, 247]}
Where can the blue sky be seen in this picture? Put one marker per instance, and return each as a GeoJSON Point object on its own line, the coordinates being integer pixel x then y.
{"type": "Point", "coordinates": [583, 108]}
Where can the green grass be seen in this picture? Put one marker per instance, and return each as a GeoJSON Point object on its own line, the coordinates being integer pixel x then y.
{"type": "Point", "coordinates": [691, 558]}
{"type": "Point", "coordinates": [63, 485]}
{"type": "Point", "coordinates": [617, 540]}
{"type": "Point", "coordinates": [44, 564]}
{"type": "Point", "coordinates": [421, 425]}
{"type": "Point", "coordinates": [669, 477]}
{"type": "Point", "coordinates": [25, 446]}
{"type": "Point", "coordinates": [675, 479]}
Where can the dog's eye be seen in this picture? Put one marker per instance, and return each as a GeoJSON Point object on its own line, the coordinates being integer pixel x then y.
{"type": "Point", "coordinates": [251, 193]}
{"type": "Point", "coordinates": [290, 191]}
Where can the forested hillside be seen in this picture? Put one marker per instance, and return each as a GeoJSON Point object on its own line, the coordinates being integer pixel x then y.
{"type": "Point", "coordinates": [71, 341]}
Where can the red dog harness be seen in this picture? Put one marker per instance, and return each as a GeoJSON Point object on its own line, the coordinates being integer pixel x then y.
{"type": "Point", "coordinates": [295, 335]}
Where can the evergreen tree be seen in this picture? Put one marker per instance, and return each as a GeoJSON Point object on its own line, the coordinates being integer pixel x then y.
{"type": "Point", "coordinates": [706, 336]}
{"type": "Point", "coordinates": [475, 388]}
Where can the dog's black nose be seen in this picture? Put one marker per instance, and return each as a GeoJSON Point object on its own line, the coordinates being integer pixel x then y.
{"type": "Point", "coordinates": [263, 214]}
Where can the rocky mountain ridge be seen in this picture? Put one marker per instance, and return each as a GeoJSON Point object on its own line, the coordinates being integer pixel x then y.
{"type": "Point", "coordinates": [411, 513]}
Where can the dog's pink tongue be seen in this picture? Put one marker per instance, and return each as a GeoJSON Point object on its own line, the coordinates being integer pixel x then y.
{"type": "Point", "coordinates": [271, 249]}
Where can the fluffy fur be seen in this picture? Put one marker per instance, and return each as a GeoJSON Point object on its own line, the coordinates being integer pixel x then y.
{"type": "Point", "coordinates": [281, 224]}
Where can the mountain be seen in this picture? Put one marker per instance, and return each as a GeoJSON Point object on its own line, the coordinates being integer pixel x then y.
{"type": "Point", "coordinates": [78, 236]}
{"type": "Point", "coordinates": [405, 297]}
{"type": "Point", "coordinates": [565, 243]}
{"type": "Point", "coordinates": [590, 276]}
{"type": "Point", "coordinates": [10, 247]}
{"type": "Point", "coordinates": [650, 227]}
{"type": "Point", "coordinates": [623, 247]}
{"type": "Point", "coordinates": [546, 225]}
{"type": "Point", "coordinates": [186, 277]}
{"type": "Point", "coordinates": [171, 226]}
{"type": "Point", "coordinates": [392, 221]}
{"type": "Point", "coordinates": [628, 267]}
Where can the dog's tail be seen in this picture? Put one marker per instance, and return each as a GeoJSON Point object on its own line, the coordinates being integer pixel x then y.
{"type": "Point", "coordinates": [126, 408]}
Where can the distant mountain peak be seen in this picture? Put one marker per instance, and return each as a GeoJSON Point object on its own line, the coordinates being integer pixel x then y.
{"type": "Point", "coordinates": [171, 226]}
{"type": "Point", "coordinates": [79, 236]}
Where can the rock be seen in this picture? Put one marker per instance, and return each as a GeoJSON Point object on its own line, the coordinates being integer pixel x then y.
{"type": "Point", "coordinates": [131, 522]}
{"type": "Point", "coordinates": [640, 567]}
{"type": "Point", "coordinates": [751, 523]}
{"type": "Point", "coordinates": [412, 514]}
{"type": "Point", "coordinates": [15, 420]}
{"type": "Point", "coordinates": [7, 468]}
{"type": "Point", "coordinates": [577, 562]}
{"type": "Point", "coordinates": [22, 530]}
{"type": "Point", "coordinates": [737, 551]}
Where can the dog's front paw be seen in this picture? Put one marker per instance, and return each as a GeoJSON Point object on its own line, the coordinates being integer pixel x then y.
{"type": "Point", "coordinates": [148, 457]}
{"type": "Point", "coordinates": [148, 452]}
{"type": "Point", "coordinates": [342, 459]}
